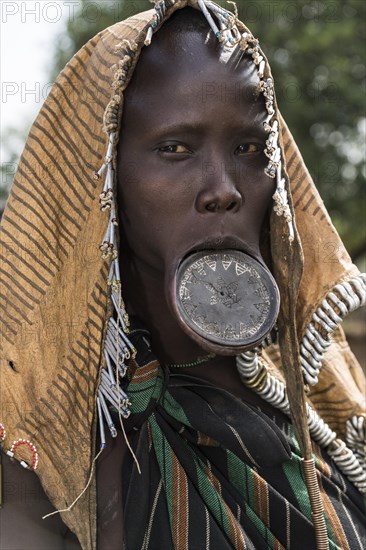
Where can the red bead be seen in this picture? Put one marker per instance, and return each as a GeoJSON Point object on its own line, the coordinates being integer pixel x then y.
{"type": "Point", "coordinates": [32, 447]}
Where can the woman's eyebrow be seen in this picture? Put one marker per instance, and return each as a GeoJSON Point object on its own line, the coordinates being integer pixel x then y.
{"type": "Point", "coordinates": [195, 128]}
{"type": "Point", "coordinates": [179, 128]}
{"type": "Point", "coordinates": [251, 128]}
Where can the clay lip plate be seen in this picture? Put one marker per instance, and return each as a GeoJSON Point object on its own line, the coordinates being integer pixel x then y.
{"type": "Point", "coordinates": [226, 297]}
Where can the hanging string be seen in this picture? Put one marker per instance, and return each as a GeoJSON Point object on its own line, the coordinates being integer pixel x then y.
{"type": "Point", "coordinates": [69, 508]}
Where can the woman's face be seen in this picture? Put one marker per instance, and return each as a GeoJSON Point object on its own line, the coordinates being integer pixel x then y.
{"type": "Point", "coordinates": [191, 161]}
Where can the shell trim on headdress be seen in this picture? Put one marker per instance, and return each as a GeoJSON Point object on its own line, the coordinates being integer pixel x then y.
{"type": "Point", "coordinates": [338, 303]}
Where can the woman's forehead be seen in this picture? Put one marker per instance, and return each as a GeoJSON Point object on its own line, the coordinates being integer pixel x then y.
{"type": "Point", "coordinates": [196, 72]}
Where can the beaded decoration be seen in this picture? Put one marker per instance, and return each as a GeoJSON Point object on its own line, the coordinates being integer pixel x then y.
{"type": "Point", "coordinates": [2, 433]}
{"type": "Point", "coordinates": [273, 170]}
{"type": "Point", "coordinates": [160, 7]}
{"type": "Point", "coordinates": [117, 347]}
{"type": "Point", "coordinates": [342, 300]}
{"type": "Point", "coordinates": [228, 34]}
{"type": "Point", "coordinates": [32, 447]}
{"type": "Point", "coordinates": [198, 361]}
{"type": "Point", "coordinates": [338, 303]}
{"type": "Point", "coordinates": [255, 376]}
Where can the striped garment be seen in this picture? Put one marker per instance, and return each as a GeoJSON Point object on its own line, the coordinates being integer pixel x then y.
{"type": "Point", "coordinates": [218, 473]}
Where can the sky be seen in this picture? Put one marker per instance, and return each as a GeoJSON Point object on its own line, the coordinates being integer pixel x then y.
{"type": "Point", "coordinates": [29, 30]}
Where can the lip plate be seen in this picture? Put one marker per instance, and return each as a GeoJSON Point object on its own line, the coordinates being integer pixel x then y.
{"type": "Point", "coordinates": [217, 345]}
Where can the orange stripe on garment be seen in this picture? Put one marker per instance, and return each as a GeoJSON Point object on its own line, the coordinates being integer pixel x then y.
{"type": "Point", "coordinates": [321, 464]}
{"type": "Point", "coordinates": [235, 532]}
{"type": "Point", "coordinates": [339, 535]}
{"type": "Point", "coordinates": [203, 439]}
{"type": "Point", "coordinates": [277, 545]}
{"type": "Point", "coordinates": [179, 506]}
{"type": "Point", "coordinates": [261, 498]}
{"type": "Point", "coordinates": [145, 373]}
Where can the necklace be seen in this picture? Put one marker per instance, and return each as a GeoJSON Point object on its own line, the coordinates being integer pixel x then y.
{"type": "Point", "coordinates": [198, 361]}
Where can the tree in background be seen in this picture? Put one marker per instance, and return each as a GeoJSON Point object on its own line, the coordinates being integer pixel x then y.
{"type": "Point", "coordinates": [316, 50]}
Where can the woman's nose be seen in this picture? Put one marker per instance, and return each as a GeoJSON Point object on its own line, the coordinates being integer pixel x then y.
{"type": "Point", "coordinates": [218, 194]}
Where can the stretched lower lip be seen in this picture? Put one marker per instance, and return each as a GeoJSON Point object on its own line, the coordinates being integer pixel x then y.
{"type": "Point", "coordinates": [221, 243]}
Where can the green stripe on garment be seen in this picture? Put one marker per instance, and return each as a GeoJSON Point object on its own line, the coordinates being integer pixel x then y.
{"type": "Point", "coordinates": [208, 492]}
{"type": "Point", "coordinates": [210, 496]}
{"type": "Point", "coordinates": [332, 544]}
{"type": "Point", "coordinates": [258, 523]}
{"type": "Point", "coordinates": [331, 536]}
{"type": "Point", "coordinates": [250, 488]}
{"type": "Point", "coordinates": [291, 433]}
{"type": "Point", "coordinates": [174, 409]}
{"type": "Point", "coordinates": [164, 455]}
{"type": "Point", "coordinates": [140, 394]}
{"type": "Point", "coordinates": [236, 472]}
{"type": "Point", "coordinates": [294, 474]}
{"type": "Point", "coordinates": [239, 473]}
{"type": "Point", "coordinates": [164, 452]}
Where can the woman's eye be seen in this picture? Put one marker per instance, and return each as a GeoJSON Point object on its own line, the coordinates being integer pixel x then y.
{"type": "Point", "coordinates": [246, 148]}
{"type": "Point", "coordinates": [178, 148]}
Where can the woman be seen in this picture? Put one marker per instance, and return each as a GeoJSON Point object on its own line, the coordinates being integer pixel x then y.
{"type": "Point", "coordinates": [195, 236]}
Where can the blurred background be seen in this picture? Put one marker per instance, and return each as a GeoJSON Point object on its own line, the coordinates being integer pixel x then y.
{"type": "Point", "coordinates": [317, 53]}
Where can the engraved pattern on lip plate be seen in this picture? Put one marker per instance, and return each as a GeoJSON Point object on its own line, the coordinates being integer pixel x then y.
{"type": "Point", "coordinates": [226, 296]}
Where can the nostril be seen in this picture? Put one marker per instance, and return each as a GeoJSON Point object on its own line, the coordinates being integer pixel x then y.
{"type": "Point", "coordinates": [231, 206]}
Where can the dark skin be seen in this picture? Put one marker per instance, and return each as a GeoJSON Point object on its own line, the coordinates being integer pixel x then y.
{"type": "Point", "coordinates": [183, 189]}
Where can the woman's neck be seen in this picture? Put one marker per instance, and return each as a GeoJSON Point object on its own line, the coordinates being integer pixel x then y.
{"type": "Point", "coordinates": [144, 295]}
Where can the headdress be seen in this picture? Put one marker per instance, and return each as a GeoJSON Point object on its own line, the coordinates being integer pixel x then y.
{"type": "Point", "coordinates": [61, 347]}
